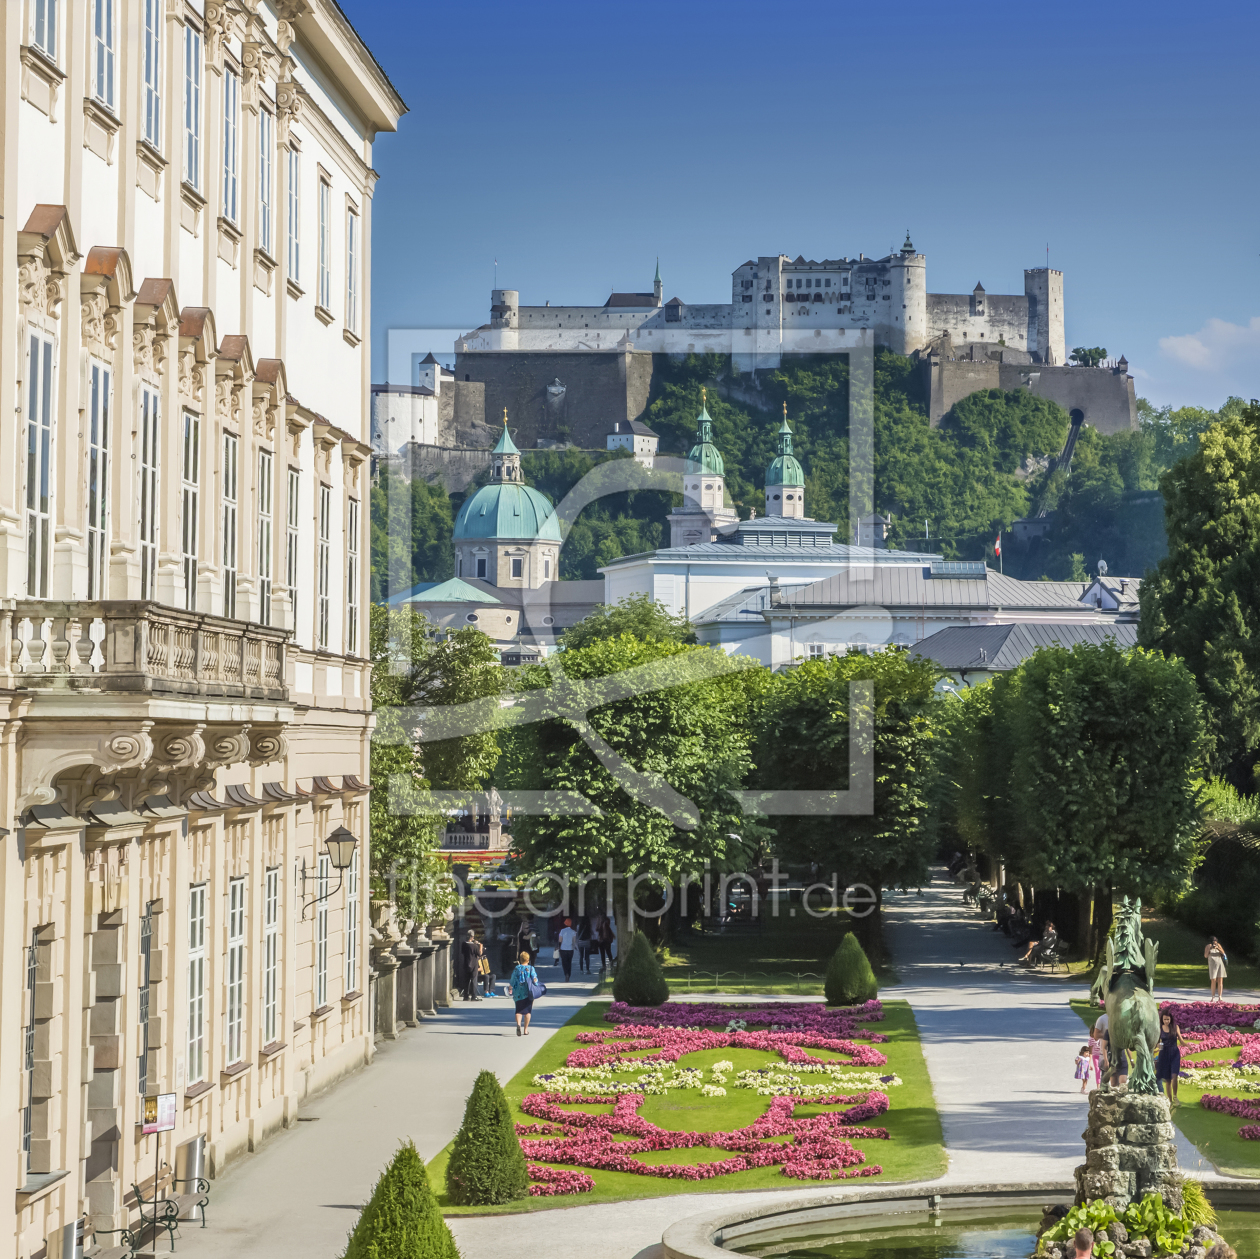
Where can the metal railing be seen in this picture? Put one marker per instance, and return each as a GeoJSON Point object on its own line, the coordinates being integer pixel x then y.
{"type": "Point", "coordinates": [119, 645]}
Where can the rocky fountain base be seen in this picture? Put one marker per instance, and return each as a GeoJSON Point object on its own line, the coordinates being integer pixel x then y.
{"type": "Point", "coordinates": [1129, 1193]}
{"type": "Point", "coordinates": [1130, 1151]}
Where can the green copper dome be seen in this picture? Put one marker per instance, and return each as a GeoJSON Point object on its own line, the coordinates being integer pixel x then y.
{"type": "Point", "coordinates": [786, 469]}
{"type": "Point", "coordinates": [704, 456]}
{"type": "Point", "coordinates": [513, 512]}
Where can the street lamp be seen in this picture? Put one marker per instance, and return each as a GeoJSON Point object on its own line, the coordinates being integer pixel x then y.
{"type": "Point", "coordinates": [339, 846]}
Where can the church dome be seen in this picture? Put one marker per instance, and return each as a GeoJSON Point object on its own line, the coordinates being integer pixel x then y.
{"type": "Point", "coordinates": [704, 456]}
{"type": "Point", "coordinates": [786, 468]}
{"type": "Point", "coordinates": [511, 512]}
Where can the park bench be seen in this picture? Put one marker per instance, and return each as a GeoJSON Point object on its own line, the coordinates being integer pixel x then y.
{"type": "Point", "coordinates": [1049, 958]}
{"type": "Point", "coordinates": [96, 1248]}
{"type": "Point", "coordinates": [162, 1211]}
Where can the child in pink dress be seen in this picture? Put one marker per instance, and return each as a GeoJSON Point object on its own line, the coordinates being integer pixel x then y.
{"type": "Point", "coordinates": [1096, 1057]}
{"type": "Point", "coordinates": [1082, 1067]}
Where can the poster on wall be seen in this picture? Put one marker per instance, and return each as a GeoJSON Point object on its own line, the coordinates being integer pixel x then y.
{"type": "Point", "coordinates": [158, 1114]}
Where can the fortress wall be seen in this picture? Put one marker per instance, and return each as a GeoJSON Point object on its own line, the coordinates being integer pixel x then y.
{"type": "Point", "coordinates": [1005, 318]}
{"type": "Point", "coordinates": [1105, 395]}
{"type": "Point", "coordinates": [598, 389]}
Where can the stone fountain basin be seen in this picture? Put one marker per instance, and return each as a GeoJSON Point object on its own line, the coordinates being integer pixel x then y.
{"type": "Point", "coordinates": [714, 1236]}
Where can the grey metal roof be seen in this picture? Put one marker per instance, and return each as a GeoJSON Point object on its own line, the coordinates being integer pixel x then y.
{"type": "Point", "coordinates": [907, 585]}
{"type": "Point", "coordinates": [834, 553]}
{"type": "Point", "coordinates": [996, 648]}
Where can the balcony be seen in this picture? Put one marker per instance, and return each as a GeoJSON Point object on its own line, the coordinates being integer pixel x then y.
{"type": "Point", "coordinates": [121, 646]}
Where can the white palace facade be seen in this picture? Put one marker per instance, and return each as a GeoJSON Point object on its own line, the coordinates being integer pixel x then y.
{"type": "Point", "coordinates": [184, 689]}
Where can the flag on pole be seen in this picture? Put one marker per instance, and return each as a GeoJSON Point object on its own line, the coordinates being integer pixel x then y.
{"type": "Point", "coordinates": [997, 546]}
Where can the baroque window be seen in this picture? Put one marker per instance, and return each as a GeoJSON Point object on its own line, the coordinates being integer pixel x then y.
{"type": "Point", "coordinates": [265, 475]}
{"type": "Point", "coordinates": [231, 117]}
{"type": "Point", "coordinates": [99, 382]}
{"type": "Point", "coordinates": [321, 931]}
{"type": "Point", "coordinates": [324, 567]}
{"type": "Point", "coordinates": [196, 1057]}
{"type": "Point", "coordinates": [192, 107]}
{"type": "Point", "coordinates": [352, 925]}
{"type": "Point", "coordinates": [266, 145]}
{"type": "Point", "coordinates": [352, 579]}
{"type": "Point", "coordinates": [231, 451]}
{"type": "Point", "coordinates": [295, 206]}
{"type": "Point", "coordinates": [352, 271]}
{"type": "Point", "coordinates": [103, 52]}
{"type": "Point", "coordinates": [236, 971]}
{"type": "Point", "coordinates": [271, 955]}
{"type": "Point", "coordinates": [148, 472]}
{"type": "Point", "coordinates": [151, 102]}
{"type": "Point", "coordinates": [291, 538]}
{"type": "Point", "coordinates": [190, 500]}
{"type": "Point", "coordinates": [44, 27]}
{"type": "Point", "coordinates": [324, 297]}
{"type": "Point", "coordinates": [39, 466]}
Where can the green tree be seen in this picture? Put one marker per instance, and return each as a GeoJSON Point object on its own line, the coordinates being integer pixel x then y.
{"type": "Point", "coordinates": [402, 1219]}
{"type": "Point", "coordinates": [1203, 603]}
{"type": "Point", "coordinates": [414, 667]}
{"type": "Point", "coordinates": [1099, 751]}
{"type": "Point", "coordinates": [849, 978]}
{"type": "Point", "coordinates": [412, 523]}
{"type": "Point", "coordinates": [637, 615]}
{"type": "Point", "coordinates": [802, 743]}
{"type": "Point", "coordinates": [487, 1164]}
{"type": "Point", "coordinates": [673, 741]}
{"type": "Point", "coordinates": [639, 980]}
{"type": "Point", "coordinates": [1088, 358]}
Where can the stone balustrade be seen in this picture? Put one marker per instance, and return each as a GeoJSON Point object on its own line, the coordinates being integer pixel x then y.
{"type": "Point", "coordinates": [475, 840]}
{"type": "Point", "coordinates": [119, 645]}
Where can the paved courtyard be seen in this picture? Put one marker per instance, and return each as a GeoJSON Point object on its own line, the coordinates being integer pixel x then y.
{"type": "Point", "coordinates": [999, 1045]}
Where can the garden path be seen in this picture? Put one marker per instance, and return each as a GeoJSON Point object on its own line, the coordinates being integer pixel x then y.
{"type": "Point", "coordinates": [1000, 1041]}
{"type": "Point", "coordinates": [300, 1194]}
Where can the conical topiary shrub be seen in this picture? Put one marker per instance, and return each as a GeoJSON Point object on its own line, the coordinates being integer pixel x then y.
{"type": "Point", "coordinates": [487, 1163]}
{"type": "Point", "coordinates": [849, 975]}
{"type": "Point", "coordinates": [639, 980]}
{"type": "Point", "coordinates": [402, 1220]}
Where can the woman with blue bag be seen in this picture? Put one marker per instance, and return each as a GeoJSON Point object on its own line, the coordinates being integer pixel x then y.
{"type": "Point", "coordinates": [525, 987]}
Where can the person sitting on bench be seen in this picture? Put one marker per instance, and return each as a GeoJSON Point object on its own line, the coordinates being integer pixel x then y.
{"type": "Point", "coordinates": [1047, 944]}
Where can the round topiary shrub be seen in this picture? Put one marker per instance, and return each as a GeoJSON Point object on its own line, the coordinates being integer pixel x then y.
{"type": "Point", "coordinates": [402, 1220]}
{"type": "Point", "coordinates": [639, 980]}
{"type": "Point", "coordinates": [487, 1164]}
{"type": "Point", "coordinates": [850, 979]}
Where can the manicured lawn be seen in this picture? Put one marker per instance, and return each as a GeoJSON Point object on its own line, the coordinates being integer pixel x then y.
{"type": "Point", "coordinates": [783, 954]}
{"type": "Point", "coordinates": [1214, 1135]}
{"type": "Point", "coordinates": [1181, 962]}
{"type": "Point", "coordinates": [913, 1152]}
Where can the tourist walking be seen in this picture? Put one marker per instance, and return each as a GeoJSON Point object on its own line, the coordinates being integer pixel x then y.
{"type": "Point", "coordinates": [1168, 1064]}
{"type": "Point", "coordinates": [1082, 1067]}
{"type": "Point", "coordinates": [526, 941]}
{"type": "Point", "coordinates": [523, 975]}
{"type": "Point", "coordinates": [566, 942]}
{"type": "Point", "coordinates": [604, 938]}
{"type": "Point", "coordinates": [470, 956]}
{"type": "Point", "coordinates": [584, 945]}
{"type": "Point", "coordinates": [1216, 959]}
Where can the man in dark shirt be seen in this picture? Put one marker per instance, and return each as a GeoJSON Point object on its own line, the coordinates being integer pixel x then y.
{"type": "Point", "coordinates": [470, 952]}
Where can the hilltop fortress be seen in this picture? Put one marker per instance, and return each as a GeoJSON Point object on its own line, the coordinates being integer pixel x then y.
{"type": "Point", "coordinates": [567, 373]}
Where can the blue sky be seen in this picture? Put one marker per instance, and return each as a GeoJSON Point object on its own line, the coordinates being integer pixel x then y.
{"type": "Point", "coordinates": [576, 142]}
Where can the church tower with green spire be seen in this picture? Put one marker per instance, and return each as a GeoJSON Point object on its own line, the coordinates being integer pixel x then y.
{"type": "Point", "coordinates": [704, 509]}
{"type": "Point", "coordinates": [785, 478]}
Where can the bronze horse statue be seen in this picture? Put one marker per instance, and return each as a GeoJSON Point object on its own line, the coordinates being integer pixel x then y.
{"type": "Point", "coordinates": [1127, 981]}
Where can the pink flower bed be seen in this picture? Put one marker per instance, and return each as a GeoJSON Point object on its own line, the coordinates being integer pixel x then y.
{"type": "Point", "coordinates": [818, 1147]}
{"type": "Point", "coordinates": [1202, 1016]}
{"type": "Point", "coordinates": [1204, 1023]}
{"type": "Point", "coordinates": [838, 1021]}
{"type": "Point", "coordinates": [668, 1044]}
{"type": "Point", "coordinates": [1239, 1109]}
{"type": "Point", "coordinates": [549, 1181]}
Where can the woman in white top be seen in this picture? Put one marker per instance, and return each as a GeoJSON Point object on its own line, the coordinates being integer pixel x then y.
{"type": "Point", "coordinates": [567, 942]}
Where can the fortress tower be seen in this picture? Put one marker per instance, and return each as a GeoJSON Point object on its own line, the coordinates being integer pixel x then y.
{"type": "Point", "coordinates": [1044, 290]}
